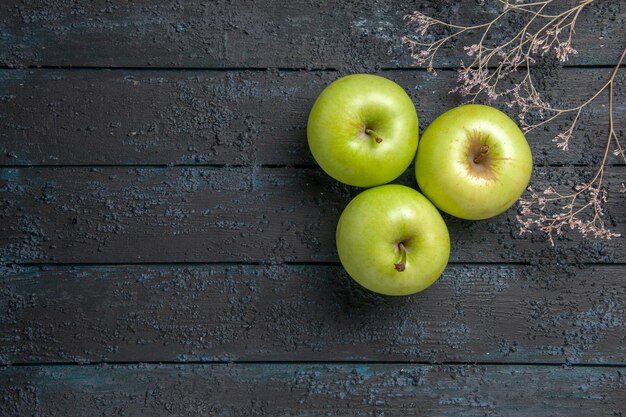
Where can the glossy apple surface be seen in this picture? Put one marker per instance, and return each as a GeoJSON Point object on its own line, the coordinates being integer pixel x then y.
{"type": "Point", "coordinates": [363, 130]}
{"type": "Point", "coordinates": [473, 162]}
{"type": "Point", "coordinates": [392, 240]}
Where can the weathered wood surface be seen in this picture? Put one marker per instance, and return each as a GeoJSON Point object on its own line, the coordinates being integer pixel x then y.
{"type": "Point", "coordinates": [168, 210]}
{"type": "Point", "coordinates": [244, 214]}
{"type": "Point", "coordinates": [353, 35]}
{"type": "Point", "coordinates": [181, 117]}
{"type": "Point", "coordinates": [312, 390]}
{"type": "Point", "coordinates": [499, 313]}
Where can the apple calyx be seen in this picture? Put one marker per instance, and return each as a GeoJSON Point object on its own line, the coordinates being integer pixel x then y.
{"type": "Point", "coordinates": [400, 266]}
{"type": "Point", "coordinates": [374, 135]}
{"type": "Point", "coordinates": [484, 150]}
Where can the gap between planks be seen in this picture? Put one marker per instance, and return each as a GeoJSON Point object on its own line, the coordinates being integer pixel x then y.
{"type": "Point", "coordinates": [331, 362]}
{"type": "Point", "coordinates": [256, 69]}
{"type": "Point", "coordinates": [270, 166]}
{"type": "Point", "coordinates": [236, 263]}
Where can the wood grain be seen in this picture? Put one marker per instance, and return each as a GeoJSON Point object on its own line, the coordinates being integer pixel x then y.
{"type": "Point", "coordinates": [246, 214]}
{"type": "Point", "coordinates": [82, 117]}
{"type": "Point", "coordinates": [473, 313]}
{"type": "Point", "coordinates": [353, 35]}
{"type": "Point", "coordinates": [158, 203]}
{"type": "Point", "coordinates": [312, 390]}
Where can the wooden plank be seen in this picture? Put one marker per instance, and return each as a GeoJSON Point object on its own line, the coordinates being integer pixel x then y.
{"type": "Point", "coordinates": [355, 36]}
{"type": "Point", "coordinates": [311, 390]}
{"type": "Point", "coordinates": [246, 214]}
{"type": "Point", "coordinates": [506, 313]}
{"type": "Point", "coordinates": [242, 118]}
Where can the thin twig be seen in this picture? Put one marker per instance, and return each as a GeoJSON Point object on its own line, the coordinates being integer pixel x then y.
{"type": "Point", "coordinates": [545, 30]}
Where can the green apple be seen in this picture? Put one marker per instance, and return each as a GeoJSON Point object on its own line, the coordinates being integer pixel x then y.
{"type": "Point", "coordinates": [473, 162]}
{"type": "Point", "coordinates": [392, 240]}
{"type": "Point", "coordinates": [363, 130]}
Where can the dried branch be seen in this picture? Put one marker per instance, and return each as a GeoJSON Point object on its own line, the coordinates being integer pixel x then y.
{"type": "Point", "coordinates": [545, 30]}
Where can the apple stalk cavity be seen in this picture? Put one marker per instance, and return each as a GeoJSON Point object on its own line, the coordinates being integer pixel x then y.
{"type": "Point", "coordinates": [400, 266]}
{"type": "Point", "coordinates": [484, 150]}
{"type": "Point", "coordinates": [373, 135]}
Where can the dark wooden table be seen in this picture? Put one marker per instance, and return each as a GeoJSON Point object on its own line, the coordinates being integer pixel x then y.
{"type": "Point", "coordinates": [167, 241]}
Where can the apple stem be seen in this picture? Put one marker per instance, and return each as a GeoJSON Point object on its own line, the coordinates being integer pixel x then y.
{"type": "Point", "coordinates": [402, 264]}
{"type": "Point", "coordinates": [484, 150]}
{"type": "Point", "coordinates": [373, 134]}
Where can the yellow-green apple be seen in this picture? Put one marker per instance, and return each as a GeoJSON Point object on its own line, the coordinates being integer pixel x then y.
{"type": "Point", "coordinates": [473, 162]}
{"type": "Point", "coordinates": [392, 240]}
{"type": "Point", "coordinates": [363, 130]}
